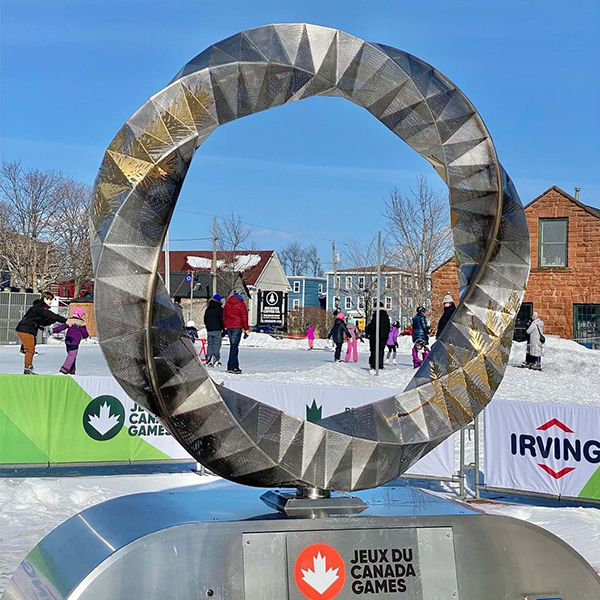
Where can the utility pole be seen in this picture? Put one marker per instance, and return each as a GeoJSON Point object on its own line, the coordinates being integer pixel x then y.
{"type": "Point", "coordinates": [167, 265]}
{"type": "Point", "coordinates": [378, 309]}
{"type": "Point", "coordinates": [213, 271]}
{"type": "Point", "coordinates": [336, 287]}
{"type": "Point", "coordinates": [191, 296]}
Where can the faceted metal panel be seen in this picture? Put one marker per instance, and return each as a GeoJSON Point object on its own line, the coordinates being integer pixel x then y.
{"type": "Point", "coordinates": [143, 338]}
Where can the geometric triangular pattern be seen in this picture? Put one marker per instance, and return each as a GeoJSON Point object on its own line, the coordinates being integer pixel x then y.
{"type": "Point", "coordinates": [142, 336]}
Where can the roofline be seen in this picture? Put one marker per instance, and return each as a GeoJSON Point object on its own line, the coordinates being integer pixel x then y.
{"type": "Point", "coordinates": [305, 277]}
{"type": "Point", "coordinates": [442, 264]}
{"type": "Point", "coordinates": [590, 209]}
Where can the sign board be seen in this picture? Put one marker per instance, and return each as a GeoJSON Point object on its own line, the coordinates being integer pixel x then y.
{"type": "Point", "coordinates": [271, 307]}
{"type": "Point", "coordinates": [545, 448]}
{"type": "Point", "coordinates": [77, 420]}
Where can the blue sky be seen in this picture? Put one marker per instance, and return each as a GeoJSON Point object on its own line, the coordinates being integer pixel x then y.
{"type": "Point", "coordinates": [72, 71]}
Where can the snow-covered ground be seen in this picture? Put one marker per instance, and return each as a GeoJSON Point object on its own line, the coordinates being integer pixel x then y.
{"type": "Point", "coordinates": [31, 507]}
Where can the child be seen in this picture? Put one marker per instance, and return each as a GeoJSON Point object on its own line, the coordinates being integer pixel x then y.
{"type": "Point", "coordinates": [352, 340]}
{"type": "Point", "coordinates": [192, 331]}
{"type": "Point", "coordinates": [76, 331]}
{"type": "Point", "coordinates": [392, 342]}
{"type": "Point", "coordinates": [420, 352]}
{"type": "Point", "coordinates": [339, 332]}
{"type": "Point", "coordinates": [310, 335]}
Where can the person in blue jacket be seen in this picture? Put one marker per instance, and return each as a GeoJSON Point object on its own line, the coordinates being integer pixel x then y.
{"type": "Point", "coordinates": [420, 328]}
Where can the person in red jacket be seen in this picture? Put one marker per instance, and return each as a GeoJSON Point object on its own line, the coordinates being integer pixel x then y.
{"type": "Point", "coordinates": [235, 319]}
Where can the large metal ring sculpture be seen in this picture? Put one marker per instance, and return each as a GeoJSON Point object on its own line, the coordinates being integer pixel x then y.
{"type": "Point", "coordinates": [142, 337]}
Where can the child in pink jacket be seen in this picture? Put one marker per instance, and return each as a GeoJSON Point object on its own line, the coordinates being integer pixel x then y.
{"type": "Point", "coordinates": [420, 352]}
{"type": "Point", "coordinates": [352, 341]}
{"type": "Point", "coordinates": [310, 335]}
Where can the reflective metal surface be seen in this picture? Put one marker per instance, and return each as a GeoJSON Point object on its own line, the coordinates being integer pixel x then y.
{"type": "Point", "coordinates": [143, 339]}
{"type": "Point", "coordinates": [170, 545]}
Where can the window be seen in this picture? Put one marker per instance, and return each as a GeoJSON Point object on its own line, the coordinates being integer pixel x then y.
{"type": "Point", "coordinates": [374, 282]}
{"type": "Point", "coordinates": [296, 287]}
{"type": "Point", "coordinates": [409, 302]}
{"type": "Point", "coordinates": [348, 283]}
{"type": "Point", "coordinates": [296, 304]}
{"type": "Point", "coordinates": [337, 282]}
{"type": "Point", "coordinates": [405, 281]}
{"type": "Point", "coordinates": [361, 302]}
{"type": "Point", "coordinates": [552, 250]}
{"type": "Point", "coordinates": [348, 303]}
{"type": "Point", "coordinates": [320, 288]}
{"type": "Point", "coordinates": [336, 302]}
{"type": "Point", "coordinates": [388, 303]}
{"type": "Point", "coordinates": [361, 283]}
{"type": "Point", "coordinates": [388, 282]}
{"type": "Point", "coordinates": [586, 325]}
{"type": "Point", "coordinates": [374, 302]}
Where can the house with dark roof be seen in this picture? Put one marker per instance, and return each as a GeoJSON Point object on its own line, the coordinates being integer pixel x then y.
{"type": "Point", "coordinates": [564, 285]}
{"type": "Point", "coordinates": [258, 272]}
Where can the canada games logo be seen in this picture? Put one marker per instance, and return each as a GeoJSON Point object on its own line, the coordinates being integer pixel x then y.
{"type": "Point", "coordinates": [103, 418]}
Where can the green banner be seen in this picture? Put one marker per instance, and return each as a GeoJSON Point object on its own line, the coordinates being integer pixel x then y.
{"type": "Point", "coordinates": [50, 419]}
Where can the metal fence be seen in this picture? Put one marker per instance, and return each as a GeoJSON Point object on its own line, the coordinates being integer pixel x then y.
{"type": "Point", "coordinates": [13, 305]}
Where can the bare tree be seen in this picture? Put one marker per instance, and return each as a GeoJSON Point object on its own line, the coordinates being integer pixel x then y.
{"type": "Point", "coordinates": [313, 262]}
{"type": "Point", "coordinates": [73, 234]}
{"type": "Point", "coordinates": [233, 235]}
{"type": "Point", "coordinates": [419, 236]}
{"type": "Point", "coordinates": [294, 259]}
{"type": "Point", "coordinates": [30, 202]}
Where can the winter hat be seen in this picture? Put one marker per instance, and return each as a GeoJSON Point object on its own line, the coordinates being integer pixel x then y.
{"type": "Point", "coordinates": [217, 297]}
{"type": "Point", "coordinates": [239, 291]}
{"type": "Point", "coordinates": [422, 309]}
{"type": "Point", "coordinates": [351, 320]}
{"type": "Point", "coordinates": [191, 324]}
{"type": "Point", "coordinates": [78, 312]}
{"type": "Point", "coordinates": [341, 315]}
{"type": "Point", "coordinates": [447, 298]}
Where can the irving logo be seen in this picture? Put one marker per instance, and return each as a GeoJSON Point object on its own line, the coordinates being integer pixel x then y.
{"type": "Point", "coordinates": [556, 446]}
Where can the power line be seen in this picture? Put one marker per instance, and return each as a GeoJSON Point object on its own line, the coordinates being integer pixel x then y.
{"type": "Point", "coordinates": [309, 235]}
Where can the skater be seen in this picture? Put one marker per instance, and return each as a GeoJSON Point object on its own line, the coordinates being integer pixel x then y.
{"type": "Point", "coordinates": [235, 318]}
{"type": "Point", "coordinates": [371, 333]}
{"type": "Point", "coordinates": [392, 343]}
{"type": "Point", "coordinates": [192, 331]}
{"type": "Point", "coordinates": [529, 360]}
{"type": "Point", "coordinates": [310, 335]}
{"type": "Point", "coordinates": [215, 329]}
{"type": "Point", "coordinates": [353, 338]}
{"type": "Point", "coordinates": [420, 329]}
{"type": "Point", "coordinates": [178, 307]}
{"type": "Point", "coordinates": [449, 308]}
{"type": "Point", "coordinates": [420, 352]}
{"type": "Point", "coordinates": [37, 317]}
{"type": "Point", "coordinates": [337, 333]}
{"type": "Point", "coordinates": [76, 332]}
{"type": "Point", "coordinates": [535, 348]}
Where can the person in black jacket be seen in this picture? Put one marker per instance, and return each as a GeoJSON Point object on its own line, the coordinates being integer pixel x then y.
{"type": "Point", "coordinates": [419, 326]}
{"type": "Point", "coordinates": [337, 333]}
{"type": "Point", "coordinates": [37, 317]}
{"type": "Point", "coordinates": [449, 308]}
{"type": "Point", "coordinates": [371, 333]}
{"type": "Point", "coordinates": [213, 320]}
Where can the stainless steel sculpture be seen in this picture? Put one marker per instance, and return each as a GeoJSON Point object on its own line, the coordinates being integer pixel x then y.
{"type": "Point", "coordinates": [143, 339]}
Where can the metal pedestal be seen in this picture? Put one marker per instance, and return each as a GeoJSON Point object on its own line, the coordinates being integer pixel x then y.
{"type": "Point", "coordinates": [221, 542]}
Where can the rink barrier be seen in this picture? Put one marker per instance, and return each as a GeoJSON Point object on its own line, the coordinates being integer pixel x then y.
{"type": "Point", "coordinates": [52, 428]}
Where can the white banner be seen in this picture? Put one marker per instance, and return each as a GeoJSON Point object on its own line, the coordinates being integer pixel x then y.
{"type": "Point", "coordinates": [298, 399]}
{"type": "Point", "coordinates": [545, 448]}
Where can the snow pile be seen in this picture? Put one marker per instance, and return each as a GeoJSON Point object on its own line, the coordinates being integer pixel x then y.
{"type": "Point", "coordinates": [198, 262]}
{"type": "Point", "coordinates": [569, 375]}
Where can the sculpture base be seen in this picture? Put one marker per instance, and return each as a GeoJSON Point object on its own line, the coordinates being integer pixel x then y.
{"type": "Point", "coordinates": [298, 505]}
{"type": "Point", "coordinates": [217, 542]}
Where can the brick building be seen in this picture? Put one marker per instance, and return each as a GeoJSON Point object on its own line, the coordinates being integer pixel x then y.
{"type": "Point", "coordinates": [564, 285]}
